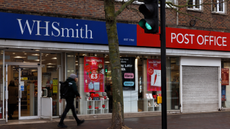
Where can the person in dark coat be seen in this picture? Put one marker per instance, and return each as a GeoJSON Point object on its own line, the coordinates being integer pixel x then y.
{"type": "Point", "coordinates": [73, 92]}
{"type": "Point", "coordinates": [13, 99]}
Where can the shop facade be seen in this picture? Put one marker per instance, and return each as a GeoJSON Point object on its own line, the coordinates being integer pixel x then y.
{"type": "Point", "coordinates": [39, 51]}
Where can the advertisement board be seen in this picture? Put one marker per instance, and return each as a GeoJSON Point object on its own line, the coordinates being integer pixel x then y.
{"type": "Point", "coordinates": [128, 72]}
{"type": "Point", "coordinates": [93, 74]}
{"type": "Point", "coordinates": [224, 76]}
{"type": "Point", "coordinates": [153, 75]}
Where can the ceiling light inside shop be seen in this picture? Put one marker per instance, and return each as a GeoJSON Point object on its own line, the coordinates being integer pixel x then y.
{"type": "Point", "coordinates": [20, 57]}
{"type": "Point", "coordinates": [33, 70]}
{"type": "Point", "coordinates": [35, 54]}
{"type": "Point", "coordinates": [50, 66]}
{"type": "Point", "coordinates": [51, 63]}
{"type": "Point", "coordinates": [13, 53]}
{"type": "Point", "coordinates": [107, 62]}
{"type": "Point", "coordinates": [37, 50]}
{"type": "Point", "coordinates": [54, 58]}
{"type": "Point", "coordinates": [95, 54]}
{"type": "Point", "coordinates": [70, 55]}
{"type": "Point", "coordinates": [37, 60]}
{"type": "Point", "coordinates": [46, 54]}
{"type": "Point", "coordinates": [173, 61]}
{"type": "Point", "coordinates": [76, 64]}
{"type": "Point", "coordinates": [76, 61]}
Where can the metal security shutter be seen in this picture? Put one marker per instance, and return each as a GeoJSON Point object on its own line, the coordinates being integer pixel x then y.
{"type": "Point", "coordinates": [199, 89]}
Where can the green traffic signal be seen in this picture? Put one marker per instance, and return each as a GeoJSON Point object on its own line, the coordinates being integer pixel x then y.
{"type": "Point", "coordinates": [148, 26]}
{"type": "Point", "coordinates": [143, 24]}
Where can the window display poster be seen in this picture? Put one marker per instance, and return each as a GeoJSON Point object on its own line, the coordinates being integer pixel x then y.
{"type": "Point", "coordinates": [93, 74]}
{"type": "Point", "coordinates": [225, 76]}
{"type": "Point", "coordinates": [153, 75]}
{"type": "Point", "coordinates": [128, 72]}
{"type": "Point", "coordinates": [223, 93]}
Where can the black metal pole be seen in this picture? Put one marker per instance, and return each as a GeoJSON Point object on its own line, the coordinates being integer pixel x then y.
{"type": "Point", "coordinates": [163, 65]}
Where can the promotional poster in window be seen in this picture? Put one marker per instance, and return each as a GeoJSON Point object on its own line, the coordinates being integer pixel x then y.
{"type": "Point", "coordinates": [128, 72]}
{"type": "Point", "coordinates": [93, 74]}
{"type": "Point", "coordinates": [153, 75]}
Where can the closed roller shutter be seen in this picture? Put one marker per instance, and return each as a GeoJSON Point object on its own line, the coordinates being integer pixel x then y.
{"type": "Point", "coordinates": [200, 89]}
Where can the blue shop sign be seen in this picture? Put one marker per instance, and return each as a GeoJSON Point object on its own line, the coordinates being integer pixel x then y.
{"type": "Point", "coordinates": [42, 28]}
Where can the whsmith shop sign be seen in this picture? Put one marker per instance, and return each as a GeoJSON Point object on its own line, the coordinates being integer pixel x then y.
{"type": "Point", "coordinates": [53, 29]}
{"type": "Point", "coordinates": [41, 28]}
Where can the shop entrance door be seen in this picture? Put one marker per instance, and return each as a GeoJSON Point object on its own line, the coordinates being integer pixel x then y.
{"type": "Point", "coordinates": [27, 79]}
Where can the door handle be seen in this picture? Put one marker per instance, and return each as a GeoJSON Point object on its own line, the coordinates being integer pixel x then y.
{"type": "Point", "coordinates": [20, 93]}
{"type": "Point", "coordinates": [7, 97]}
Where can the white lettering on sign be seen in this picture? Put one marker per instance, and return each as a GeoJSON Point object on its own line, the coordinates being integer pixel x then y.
{"type": "Point", "coordinates": [199, 39]}
{"type": "Point", "coordinates": [75, 32]}
{"type": "Point", "coordinates": [187, 38]}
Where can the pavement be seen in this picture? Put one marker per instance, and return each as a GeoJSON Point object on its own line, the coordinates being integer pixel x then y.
{"type": "Point", "coordinates": [211, 120]}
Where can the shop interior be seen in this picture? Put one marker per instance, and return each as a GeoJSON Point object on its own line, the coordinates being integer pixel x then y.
{"type": "Point", "coordinates": [29, 104]}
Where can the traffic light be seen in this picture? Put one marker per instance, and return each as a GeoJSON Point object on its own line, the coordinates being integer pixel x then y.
{"type": "Point", "coordinates": [150, 11]}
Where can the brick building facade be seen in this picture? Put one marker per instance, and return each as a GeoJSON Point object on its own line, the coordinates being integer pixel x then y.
{"type": "Point", "coordinates": [67, 48]}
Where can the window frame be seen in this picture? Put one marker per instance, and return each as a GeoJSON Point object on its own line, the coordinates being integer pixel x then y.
{"type": "Point", "coordinates": [194, 7]}
{"type": "Point", "coordinates": [218, 7]}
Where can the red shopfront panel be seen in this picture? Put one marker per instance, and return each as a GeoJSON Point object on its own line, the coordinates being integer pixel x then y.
{"type": "Point", "coordinates": [147, 40]}
{"type": "Point", "coordinates": [186, 39]}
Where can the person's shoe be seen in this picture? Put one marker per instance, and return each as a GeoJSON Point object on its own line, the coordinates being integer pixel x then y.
{"type": "Point", "coordinates": [80, 122]}
{"type": "Point", "coordinates": [62, 125]}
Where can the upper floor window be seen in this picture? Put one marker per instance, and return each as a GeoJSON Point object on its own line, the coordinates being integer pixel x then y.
{"type": "Point", "coordinates": [218, 6]}
{"type": "Point", "coordinates": [142, 1]}
{"type": "Point", "coordinates": [194, 4]}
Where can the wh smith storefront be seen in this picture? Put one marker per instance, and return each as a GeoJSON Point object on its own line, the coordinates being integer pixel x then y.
{"type": "Point", "coordinates": [39, 51]}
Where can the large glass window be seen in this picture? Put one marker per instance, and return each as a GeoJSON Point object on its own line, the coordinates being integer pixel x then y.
{"type": "Point", "coordinates": [22, 56]}
{"type": "Point", "coordinates": [172, 77]}
{"type": "Point", "coordinates": [225, 88]}
{"type": "Point", "coordinates": [136, 71]}
{"type": "Point", "coordinates": [1, 84]}
{"type": "Point", "coordinates": [50, 78]}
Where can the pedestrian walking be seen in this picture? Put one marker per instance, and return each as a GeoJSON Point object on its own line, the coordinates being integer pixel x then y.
{"type": "Point", "coordinates": [72, 93]}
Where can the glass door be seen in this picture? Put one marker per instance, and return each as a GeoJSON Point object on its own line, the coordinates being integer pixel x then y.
{"type": "Point", "coordinates": [23, 103]}
{"type": "Point", "coordinates": [28, 91]}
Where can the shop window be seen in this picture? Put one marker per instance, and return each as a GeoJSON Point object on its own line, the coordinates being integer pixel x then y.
{"type": "Point", "coordinates": [50, 78]}
{"type": "Point", "coordinates": [173, 89]}
{"type": "Point", "coordinates": [194, 4]}
{"type": "Point", "coordinates": [1, 84]}
{"type": "Point", "coordinates": [136, 99]}
{"type": "Point", "coordinates": [225, 87]}
{"type": "Point", "coordinates": [24, 56]}
{"type": "Point", "coordinates": [90, 69]}
{"type": "Point", "coordinates": [218, 6]}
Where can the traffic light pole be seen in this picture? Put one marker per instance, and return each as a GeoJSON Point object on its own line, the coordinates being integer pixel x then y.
{"type": "Point", "coordinates": [163, 65]}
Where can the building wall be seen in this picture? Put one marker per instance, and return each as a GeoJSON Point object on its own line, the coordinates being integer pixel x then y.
{"type": "Point", "coordinates": [80, 9]}
{"type": "Point", "coordinates": [94, 9]}
{"type": "Point", "coordinates": [211, 21]}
